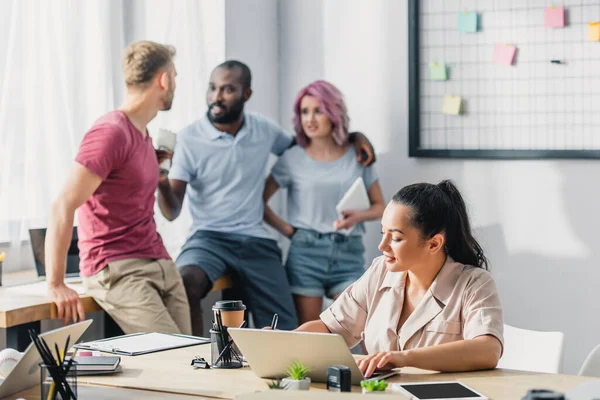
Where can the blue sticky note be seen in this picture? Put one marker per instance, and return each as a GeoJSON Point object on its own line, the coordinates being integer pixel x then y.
{"type": "Point", "coordinates": [467, 21]}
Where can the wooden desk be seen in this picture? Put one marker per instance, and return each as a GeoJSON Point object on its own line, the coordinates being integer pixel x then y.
{"type": "Point", "coordinates": [108, 393]}
{"type": "Point", "coordinates": [23, 306]}
{"type": "Point", "coordinates": [170, 372]}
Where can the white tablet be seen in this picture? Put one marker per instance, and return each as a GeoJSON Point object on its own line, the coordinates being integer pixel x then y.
{"type": "Point", "coordinates": [437, 391]}
{"type": "Point", "coordinates": [356, 198]}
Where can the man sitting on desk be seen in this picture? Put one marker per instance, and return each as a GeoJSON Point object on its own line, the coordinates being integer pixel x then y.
{"type": "Point", "coordinates": [124, 264]}
{"type": "Point", "coordinates": [220, 162]}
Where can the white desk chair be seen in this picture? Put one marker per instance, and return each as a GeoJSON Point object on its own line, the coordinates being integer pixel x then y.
{"type": "Point", "coordinates": [591, 365]}
{"type": "Point", "coordinates": [534, 351]}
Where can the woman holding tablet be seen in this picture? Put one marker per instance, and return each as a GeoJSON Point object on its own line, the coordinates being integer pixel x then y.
{"type": "Point", "coordinates": [317, 173]}
{"type": "Point", "coordinates": [428, 301]}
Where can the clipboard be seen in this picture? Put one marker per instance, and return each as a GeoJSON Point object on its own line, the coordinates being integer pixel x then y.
{"type": "Point", "coordinates": [136, 344]}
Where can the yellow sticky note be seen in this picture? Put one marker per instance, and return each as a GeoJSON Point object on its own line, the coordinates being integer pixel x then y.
{"type": "Point", "coordinates": [593, 32]}
{"type": "Point", "coordinates": [451, 105]}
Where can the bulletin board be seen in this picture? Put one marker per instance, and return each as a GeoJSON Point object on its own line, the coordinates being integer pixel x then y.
{"type": "Point", "coordinates": [520, 86]}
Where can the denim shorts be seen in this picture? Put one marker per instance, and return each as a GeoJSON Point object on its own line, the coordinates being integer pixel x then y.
{"type": "Point", "coordinates": [324, 263]}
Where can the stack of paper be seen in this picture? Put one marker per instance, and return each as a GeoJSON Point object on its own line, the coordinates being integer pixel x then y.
{"type": "Point", "coordinates": [90, 365]}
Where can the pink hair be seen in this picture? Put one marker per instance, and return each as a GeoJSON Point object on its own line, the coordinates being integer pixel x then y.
{"type": "Point", "coordinates": [331, 103]}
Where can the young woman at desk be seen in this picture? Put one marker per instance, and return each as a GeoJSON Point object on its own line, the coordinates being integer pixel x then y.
{"type": "Point", "coordinates": [317, 173]}
{"type": "Point", "coordinates": [428, 302]}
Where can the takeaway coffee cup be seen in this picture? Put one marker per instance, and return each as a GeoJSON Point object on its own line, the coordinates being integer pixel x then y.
{"type": "Point", "coordinates": [232, 312]}
{"type": "Point", "coordinates": [165, 140]}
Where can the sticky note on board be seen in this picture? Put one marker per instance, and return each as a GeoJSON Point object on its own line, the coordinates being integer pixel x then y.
{"type": "Point", "coordinates": [504, 54]}
{"type": "Point", "coordinates": [437, 71]}
{"type": "Point", "coordinates": [593, 32]}
{"type": "Point", "coordinates": [467, 21]}
{"type": "Point", "coordinates": [554, 17]}
{"type": "Point", "coordinates": [452, 105]}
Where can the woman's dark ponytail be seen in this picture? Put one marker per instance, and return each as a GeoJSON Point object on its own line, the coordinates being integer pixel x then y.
{"type": "Point", "coordinates": [461, 244]}
{"type": "Point", "coordinates": [441, 209]}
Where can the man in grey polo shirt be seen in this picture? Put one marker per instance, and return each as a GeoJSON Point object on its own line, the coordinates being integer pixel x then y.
{"type": "Point", "coordinates": [220, 163]}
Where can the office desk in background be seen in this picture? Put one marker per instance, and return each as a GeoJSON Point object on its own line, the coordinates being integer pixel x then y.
{"type": "Point", "coordinates": [23, 305]}
{"type": "Point", "coordinates": [170, 372]}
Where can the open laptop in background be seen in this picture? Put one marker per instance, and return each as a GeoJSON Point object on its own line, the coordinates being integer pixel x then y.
{"type": "Point", "coordinates": [37, 238]}
{"type": "Point", "coordinates": [270, 353]}
{"type": "Point", "coordinates": [26, 373]}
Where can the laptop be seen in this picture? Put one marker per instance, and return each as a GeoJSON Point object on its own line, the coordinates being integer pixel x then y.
{"type": "Point", "coordinates": [26, 373]}
{"type": "Point", "coordinates": [37, 238]}
{"type": "Point", "coordinates": [270, 353]}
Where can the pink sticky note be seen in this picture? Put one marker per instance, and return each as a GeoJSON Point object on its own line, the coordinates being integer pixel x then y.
{"type": "Point", "coordinates": [504, 54]}
{"type": "Point", "coordinates": [554, 17]}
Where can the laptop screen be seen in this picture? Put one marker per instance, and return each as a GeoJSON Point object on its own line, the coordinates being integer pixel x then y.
{"type": "Point", "coordinates": [38, 238]}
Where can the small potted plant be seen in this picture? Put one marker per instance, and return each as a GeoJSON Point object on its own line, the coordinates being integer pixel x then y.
{"type": "Point", "coordinates": [297, 379]}
{"type": "Point", "coordinates": [373, 385]}
{"type": "Point", "coordinates": [276, 385]}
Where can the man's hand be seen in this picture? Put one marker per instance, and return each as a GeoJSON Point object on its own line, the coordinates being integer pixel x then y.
{"type": "Point", "coordinates": [365, 153]}
{"type": "Point", "coordinates": [348, 220]}
{"type": "Point", "coordinates": [68, 303]}
{"type": "Point", "coordinates": [162, 155]}
{"type": "Point", "coordinates": [383, 360]}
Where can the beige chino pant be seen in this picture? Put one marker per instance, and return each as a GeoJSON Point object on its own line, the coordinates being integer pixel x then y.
{"type": "Point", "coordinates": [142, 295]}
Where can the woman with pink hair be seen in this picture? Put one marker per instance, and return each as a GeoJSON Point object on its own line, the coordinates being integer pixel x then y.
{"type": "Point", "coordinates": [326, 253]}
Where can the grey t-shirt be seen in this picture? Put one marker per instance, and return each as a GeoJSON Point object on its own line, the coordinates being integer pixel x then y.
{"type": "Point", "coordinates": [315, 187]}
{"type": "Point", "coordinates": [226, 174]}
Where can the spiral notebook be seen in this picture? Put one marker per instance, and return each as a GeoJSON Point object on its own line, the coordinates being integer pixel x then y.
{"type": "Point", "coordinates": [142, 343]}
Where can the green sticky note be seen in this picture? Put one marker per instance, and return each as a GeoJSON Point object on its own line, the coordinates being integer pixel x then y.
{"type": "Point", "coordinates": [467, 21]}
{"type": "Point", "coordinates": [437, 71]}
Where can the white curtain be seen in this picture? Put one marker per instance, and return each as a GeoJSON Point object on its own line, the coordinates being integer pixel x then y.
{"type": "Point", "coordinates": [60, 70]}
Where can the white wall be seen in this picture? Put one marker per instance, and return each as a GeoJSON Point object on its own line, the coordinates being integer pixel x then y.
{"type": "Point", "coordinates": [251, 31]}
{"type": "Point", "coordinates": [536, 219]}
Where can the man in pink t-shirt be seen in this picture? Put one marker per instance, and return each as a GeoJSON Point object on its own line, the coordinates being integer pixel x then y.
{"type": "Point", "coordinates": [124, 264]}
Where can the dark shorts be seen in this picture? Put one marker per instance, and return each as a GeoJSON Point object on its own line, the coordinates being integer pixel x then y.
{"type": "Point", "coordinates": [255, 265]}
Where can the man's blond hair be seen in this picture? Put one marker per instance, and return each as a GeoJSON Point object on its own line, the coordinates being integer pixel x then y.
{"type": "Point", "coordinates": [143, 59]}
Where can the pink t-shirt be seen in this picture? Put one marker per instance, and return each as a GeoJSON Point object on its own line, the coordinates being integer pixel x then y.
{"type": "Point", "coordinates": [117, 221]}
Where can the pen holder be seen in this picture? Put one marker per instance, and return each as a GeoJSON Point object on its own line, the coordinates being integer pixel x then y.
{"type": "Point", "coordinates": [223, 353]}
{"type": "Point", "coordinates": [55, 384]}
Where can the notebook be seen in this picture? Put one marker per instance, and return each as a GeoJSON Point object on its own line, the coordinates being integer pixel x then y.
{"type": "Point", "coordinates": [356, 198]}
{"type": "Point", "coordinates": [101, 363]}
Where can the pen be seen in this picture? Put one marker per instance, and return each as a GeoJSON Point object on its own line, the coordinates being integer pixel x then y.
{"type": "Point", "coordinates": [274, 322]}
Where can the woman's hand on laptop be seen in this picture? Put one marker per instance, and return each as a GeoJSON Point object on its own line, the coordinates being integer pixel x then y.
{"type": "Point", "coordinates": [381, 361]}
{"type": "Point", "coordinates": [68, 303]}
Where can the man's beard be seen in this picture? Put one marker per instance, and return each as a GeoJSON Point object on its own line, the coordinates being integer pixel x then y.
{"type": "Point", "coordinates": [229, 115]}
{"type": "Point", "coordinates": [167, 101]}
